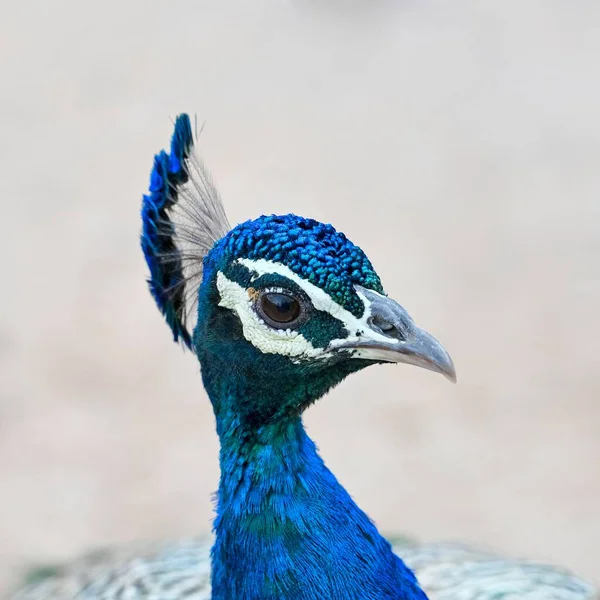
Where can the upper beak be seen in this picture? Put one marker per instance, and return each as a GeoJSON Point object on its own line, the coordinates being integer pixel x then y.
{"type": "Point", "coordinates": [391, 335]}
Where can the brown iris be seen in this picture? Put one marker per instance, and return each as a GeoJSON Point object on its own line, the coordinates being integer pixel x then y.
{"type": "Point", "coordinates": [279, 308]}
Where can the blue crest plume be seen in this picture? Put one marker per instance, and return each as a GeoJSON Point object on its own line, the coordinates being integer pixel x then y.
{"type": "Point", "coordinates": [182, 218]}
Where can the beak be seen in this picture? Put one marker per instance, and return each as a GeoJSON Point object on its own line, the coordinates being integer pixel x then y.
{"type": "Point", "coordinates": [390, 335]}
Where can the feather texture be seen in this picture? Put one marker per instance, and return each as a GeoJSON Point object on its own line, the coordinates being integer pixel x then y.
{"type": "Point", "coordinates": [181, 570]}
{"type": "Point", "coordinates": [182, 218]}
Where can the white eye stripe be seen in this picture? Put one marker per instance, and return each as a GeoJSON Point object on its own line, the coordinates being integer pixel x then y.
{"type": "Point", "coordinates": [321, 300]}
{"type": "Point", "coordinates": [356, 326]}
{"type": "Point", "coordinates": [284, 341]}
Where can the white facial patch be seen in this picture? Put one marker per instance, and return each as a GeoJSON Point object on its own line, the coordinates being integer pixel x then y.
{"type": "Point", "coordinates": [267, 339]}
{"type": "Point", "coordinates": [292, 343]}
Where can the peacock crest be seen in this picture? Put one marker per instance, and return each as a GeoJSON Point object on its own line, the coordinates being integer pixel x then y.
{"type": "Point", "coordinates": [182, 218]}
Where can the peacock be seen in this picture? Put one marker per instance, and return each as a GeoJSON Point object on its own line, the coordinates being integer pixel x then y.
{"type": "Point", "coordinates": [279, 310]}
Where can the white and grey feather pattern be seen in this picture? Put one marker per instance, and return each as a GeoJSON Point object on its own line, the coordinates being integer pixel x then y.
{"type": "Point", "coordinates": [181, 571]}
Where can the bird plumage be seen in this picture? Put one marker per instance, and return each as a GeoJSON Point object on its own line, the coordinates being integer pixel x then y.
{"type": "Point", "coordinates": [182, 217]}
{"type": "Point", "coordinates": [180, 570]}
{"type": "Point", "coordinates": [285, 308]}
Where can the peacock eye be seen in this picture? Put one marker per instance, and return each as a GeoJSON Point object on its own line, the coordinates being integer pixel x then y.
{"type": "Point", "coordinates": [279, 309]}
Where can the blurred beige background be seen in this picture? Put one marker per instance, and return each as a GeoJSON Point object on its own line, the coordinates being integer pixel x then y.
{"type": "Point", "coordinates": [457, 143]}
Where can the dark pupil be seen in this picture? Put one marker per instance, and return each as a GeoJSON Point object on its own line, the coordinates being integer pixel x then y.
{"type": "Point", "coordinates": [281, 308]}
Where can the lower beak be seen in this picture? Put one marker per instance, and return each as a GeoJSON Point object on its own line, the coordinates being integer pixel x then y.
{"type": "Point", "coordinates": [392, 336]}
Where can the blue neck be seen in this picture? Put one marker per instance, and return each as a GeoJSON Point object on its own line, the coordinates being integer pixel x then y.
{"type": "Point", "coordinates": [286, 529]}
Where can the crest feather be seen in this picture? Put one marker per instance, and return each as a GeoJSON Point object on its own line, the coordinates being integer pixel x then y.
{"type": "Point", "coordinates": [182, 218]}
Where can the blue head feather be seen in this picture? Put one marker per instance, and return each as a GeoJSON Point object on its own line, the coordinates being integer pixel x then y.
{"type": "Point", "coordinates": [158, 232]}
{"type": "Point", "coordinates": [313, 250]}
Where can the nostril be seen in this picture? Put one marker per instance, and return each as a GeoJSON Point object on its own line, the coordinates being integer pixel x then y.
{"type": "Point", "coordinates": [385, 327]}
{"type": "Point", "coordinates": [382, 324]}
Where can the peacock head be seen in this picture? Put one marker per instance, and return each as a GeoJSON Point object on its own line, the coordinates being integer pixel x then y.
{"type": "Point", "coordinates": [285, 307]}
